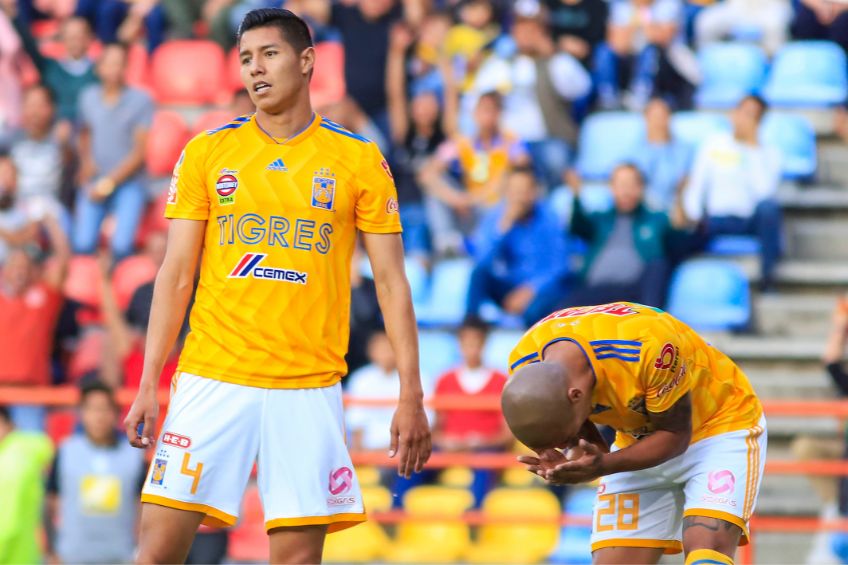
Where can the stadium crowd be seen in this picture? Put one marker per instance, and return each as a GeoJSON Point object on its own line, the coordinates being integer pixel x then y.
{"type": "Point", "coordinates": [479, 106]}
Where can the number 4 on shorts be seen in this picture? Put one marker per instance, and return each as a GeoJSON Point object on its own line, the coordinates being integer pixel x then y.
{"type": "Point", "coordinates": [625, 508]}
{"type": "Point", "coordinates": [194, 473]}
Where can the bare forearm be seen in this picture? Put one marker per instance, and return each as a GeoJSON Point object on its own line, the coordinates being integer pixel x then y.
{"type": "Point", "coordinates": [835, 346]}
{"type": "Point", "coordinates": [651, 451]}
{"type": "Point", "coordinates": [171, 295]}
{"type": "Point", "coordinates": [396, 304]}
{"type": "Point", "coordinates": [128, 167]}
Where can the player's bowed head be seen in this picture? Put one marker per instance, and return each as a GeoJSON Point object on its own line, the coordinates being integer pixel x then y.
{"type": "Point", "coordinates": [543, 408]}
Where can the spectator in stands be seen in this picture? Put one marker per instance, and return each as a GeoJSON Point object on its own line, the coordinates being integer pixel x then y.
{"type": "Point", "coordinates": [540, 85]}
{"type": "Point", "coordinates": [221, 17]}
{"type": "Point", "coordinates": [16, 227]}
{"type": "Point", "coordinates": [627, 258]}
{"type": "Point", "coordinates": [457, 430]}
{"type": "Point", "coordinates": [821, 19]}
{"type": "Point", "coordinates": [733, 186]}
{"type": "Point", "coordinates": [24, 458]}
{"type": "Point", "coordinates": [425, 63]}
{"type": "Point", "coordinates": [107, 17]}
{"type": "Point", "coordinates": [513, 269]}
{"type": "Point", "coordinates": [578, 26]}
{"type": "Point", "coordinates": [66, 77]}
{"type": "Point", "coordinates": [11, 51]}
{"type": "Point", "coordinates": [832, 491]}
{"type": "Point", "coordinates": [365, 317]}
{"type": "Point", "coordinates": [767, 21]}
{"type": "Point", "coordinates": [41, 154]}
{"type": "Point", "coordinates": [664, 161]}
{"type": "Point", "coordinates": [468, 41]}
{"type": "Point", "coordinates": [480, 161]}
{"type": "Point", "coordinates": [646, 36]}
{"type": "Point", "coordinates": [114, 120]}
{"type": "Point", "coordinates": [30, 300]}
{"type": "Point", "coordinates": [94, 486]}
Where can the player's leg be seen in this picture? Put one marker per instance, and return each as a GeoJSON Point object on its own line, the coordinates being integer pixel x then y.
{"type": "Point", "coordinates": [201, 465]}
{"type": "Point", "coordinates": [303, 544]}
{"type": "Point", "coordinates": [721, 490]}
{"type": "Point", "coordinates": [305, 475]}
{"type": "Point", "coordinates": [166, 534]}
{"type": "Point", "coordinates": [636, 519]}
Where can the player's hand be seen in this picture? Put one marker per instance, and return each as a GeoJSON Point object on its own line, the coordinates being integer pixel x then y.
{"type": "Point", "coordinates": [546, 461]}
{"type": "Point", "coordinates": [584, 469]}
{"type": "Point", "coordinates": [410, 437]}
{"type": "Point", "coordinates": [144, 411]}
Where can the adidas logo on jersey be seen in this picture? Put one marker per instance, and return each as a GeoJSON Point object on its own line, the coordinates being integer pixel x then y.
{"type": "Point", "coordinates": [277, 165]}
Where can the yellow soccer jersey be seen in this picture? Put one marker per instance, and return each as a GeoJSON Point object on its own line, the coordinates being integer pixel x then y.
{"type": "Point", "coordinates": [272, 307]}
{"type": "Point", "coordinates": [645, 360]}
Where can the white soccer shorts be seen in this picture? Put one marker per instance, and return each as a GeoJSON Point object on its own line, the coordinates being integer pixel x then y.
{"type": "Point", "coordinates": [717, 477]}
{"type": "Point", "coordinates": [215, 431]}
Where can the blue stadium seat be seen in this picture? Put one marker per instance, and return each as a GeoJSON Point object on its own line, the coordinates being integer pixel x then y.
{"type": "Point", "coordinates": [417, 275]}
{"type": "Point", "coordinates": [808, 74]}
{"type": "Point", "coordinates": [710, 294]}
{"type": "Point", "coordinates": [574, 541]}
{"type": "Point", "coordinates": [693, 128]}
{"type": "Point", "coordinates": [607, 139]}
{"type": "Point", "coordinates": [498, 348]}
{"type": "Point", "coordinates": [734, 245]}
{"type": "Point", "coordinates": [438, 352]}
{"type": "Point", "coordinates": [448, 290]}
{"type": "Point", "coordinates": [730, 70]}
{"type": "Point", "coordinates": [795, 137]}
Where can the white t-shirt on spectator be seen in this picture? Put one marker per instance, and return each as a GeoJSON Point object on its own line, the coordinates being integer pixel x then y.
{"type": "Point", "coordinates": [730, 178]}
{"type": "Point", "coordinates": [625, 13]}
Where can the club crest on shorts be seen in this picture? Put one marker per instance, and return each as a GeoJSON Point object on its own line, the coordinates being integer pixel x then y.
{"type": "Point", "coordinates": [323, 189]}
{"type": "Point", "coordinates": [159, 466]}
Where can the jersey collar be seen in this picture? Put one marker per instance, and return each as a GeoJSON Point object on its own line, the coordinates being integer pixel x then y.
{"type": "Point", "coordinates": [313, 125]}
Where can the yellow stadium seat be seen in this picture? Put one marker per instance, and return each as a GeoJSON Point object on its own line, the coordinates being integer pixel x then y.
{"type": "Point", "coordinates": [428, 541]}
{"type": "Point", "coordinates": [516, 477]}
{"type": "Point", "coordinates": [457, 477]}
{"type": "Point", "coordinates": [365, 542]}
{"type": "Point", "coordinates": [368, 476]}
{"type": "Point", "coordinates": [517, 542]}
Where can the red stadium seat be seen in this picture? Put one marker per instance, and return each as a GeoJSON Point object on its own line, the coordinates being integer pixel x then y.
{"type": "Point", "coordinates": [233, 78]}
{"type": "Point", "coordinates": [130, 274]}
{"type": "Point", "coordinates": [88, 354]}
{"type": "Point", "coordinates": [248, 540]}
{"type": "Point", "coordinates": [138, 67]}
{"type": "Point", "coordinates": [56, 49]}
{"type": "Point", "coordinates": [83, 281]}
{"type": "Point", "coordinates": [188, 72]}
{"type": "Point", "coordinates": [166, 140]}
{"type": "Point", "coordinates": [211, 120]}
{"type": "Point", "coordinates": [60, 424]}
{"type": "Point", "coordinates": [328, 83]}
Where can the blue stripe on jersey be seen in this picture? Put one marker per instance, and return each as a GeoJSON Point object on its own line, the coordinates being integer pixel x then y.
{"type": "Point", "coordinates": [621, 356]}
{"type": "Point", "coordinates": [613, 348]}
{"type": "Point", "coordinates": [615, 342]}
{"type": "Point", "coordinates": [344, 132]}
{"type": "Point", "coordinates": [232, 125]}
{"type": "Point", "coordinates": [708, 561]}
{"type": "Point", "coordinates": [523, 359]}
{"type": "Point", "coordinates": [242, 119]}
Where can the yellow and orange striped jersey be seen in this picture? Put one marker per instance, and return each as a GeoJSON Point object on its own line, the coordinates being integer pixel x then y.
{"type": "Point", "coordinates": [645, 360]}
{"type": "Point", "coordinates": [273, 302]}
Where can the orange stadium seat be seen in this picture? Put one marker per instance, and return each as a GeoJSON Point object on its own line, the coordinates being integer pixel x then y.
{"type": "Point", "coordinates": [517, 542]}
{"type": "Point", "coordinates": [130, 274]}
{"type": "Point", "coordinates": [211, 120]}
{"type": "Point", "coordinates": [188, 72]}
{"type": "Point", "coordinates": [166, 140]}
{"type": "Point", "coordinates": [366, 542]}
{"type": "Point", "coordinates": [248, 539]}
{"type": "Point", "coordinates": [429, 541]}
{"type": "Point", "coordinates": [83, 281]}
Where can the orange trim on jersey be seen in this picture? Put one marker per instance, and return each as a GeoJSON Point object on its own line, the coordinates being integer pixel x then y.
{"type": "Point", "coordinates": [721, 515]}
{"type": "Point", "coordinates": [335, 522]}
{"type": "Point", "coordinates": [669, 545]}
{"type": "Point", "coordinates": [214, 517]}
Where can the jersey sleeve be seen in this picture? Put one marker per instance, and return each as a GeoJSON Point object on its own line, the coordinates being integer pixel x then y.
{"type": "Point", "coordinates": [188, 197]}
{"type": "Point", "coordinates": [376, 202]}
{"type": "Point", "coordinates": [524, 353]}
{"type": "Point", "coordinates": [667, 375]}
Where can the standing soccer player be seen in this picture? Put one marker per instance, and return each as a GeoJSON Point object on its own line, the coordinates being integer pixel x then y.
{"type": "Point", "coordinates": [271, 205]}
{"type": "Point", "coordinates": [688, 458]}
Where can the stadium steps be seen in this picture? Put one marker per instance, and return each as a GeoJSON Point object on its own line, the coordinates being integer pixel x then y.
{"type": "Point", "coordinates": [802, 384]}
{"type": "Point", "coordinates": [797, 315]}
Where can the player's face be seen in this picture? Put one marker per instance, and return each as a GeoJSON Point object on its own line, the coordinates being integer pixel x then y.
{"type": "Point", "coordinates": [271, 71]}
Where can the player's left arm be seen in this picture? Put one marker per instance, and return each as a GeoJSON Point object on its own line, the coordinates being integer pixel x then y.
{"type": "Point", "coordinates": [410, 431]}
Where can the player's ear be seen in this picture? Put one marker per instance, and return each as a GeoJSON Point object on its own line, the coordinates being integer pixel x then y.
{"type": "Point", "coordinates": [575, 395]}
{"type": "Point", "coordinates": [307, 61]}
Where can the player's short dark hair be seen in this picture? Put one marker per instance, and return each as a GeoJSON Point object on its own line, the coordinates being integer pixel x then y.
{"type": "Point", "coordinates": [633, 167]}
{"type": "Point", "coordinates": [474, 323]}
{"type": "Point", "coordinates": [292, 27]}
{"type": "Point", "coordinates": [5, 414]}
{"type": "Point", "coordinates": [94, 386]}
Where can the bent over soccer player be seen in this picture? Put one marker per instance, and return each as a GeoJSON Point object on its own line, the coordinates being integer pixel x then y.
{"type": "Point", "coordinates": [271, 203]}
{"type": "Point", "coordinates": [691, 438]}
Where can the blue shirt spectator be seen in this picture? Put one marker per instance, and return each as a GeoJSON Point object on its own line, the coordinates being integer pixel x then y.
{"type": "Point", "coordinates": [663, 161]}
{"type": "Point", "coordinates": [513, 270]}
